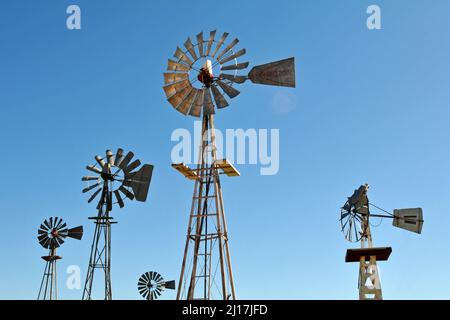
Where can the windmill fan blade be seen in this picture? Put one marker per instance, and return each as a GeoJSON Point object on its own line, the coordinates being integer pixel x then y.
{"type": "Point", "coordinates": [110, 157]}
{"type": "Point", "coordinates": [219, 44]}
{"type": "Point", "coordinates": [208, 105]}
{"type": "Point", "coordinates": [190, 47]}
{"type": "Point", "coordinates": [235, 79]}
{"type": "Point", "coordinates": [47, 224]}
{"type": "Point", "coordinates": [175, 66]}
{"type": "Point", "coordinates": [228, 48]}
{"type": "Point", "coordinates": [132, 166]}
{"type": "Point", "coordinates": [100, 161]}
{"type": "Point", "coordinates": [233, 56]}
{"type": "Point", "coordinates": [127, 193]}
{"type": "Point", "coordinates": [218, 98]}
{"type": "Point", "coordinates": [176, 99]}
{"type": "Point", "coordinates": [229, 90]}
{"type": "Point", "coordinates": [43, 227]}
{"type": "Point", "coordinates": [119, 156]}
{"type": "Point", "coordinates": [94, 169]}
{"type": "Point", "coordinates": [92, 197]}
{"type": "Point", "coordinates": [182, 56]}
{"type": "Point", "coordinates": [170, 78]}
{"type": "Point", "coordinates": [126, 160]}
{"type": "Point", "coordinates": [173, 88]}
{"type": "Point", "coordinates": [196, 108]}
{"type": "Point", "coordinates": [212, 34]}
{"type": "Point", "coordinates": [200, 43]}
{"type": "Point", "coordinates": [278, 73]}
{"type": "Point", "coordinates": [119, 198]}
{"type": "Point", "coordinates": [238, 66]}
{"type": "Point", "coordinates": [140, 182]}
{"type": "Point", "coordinates": [185, 106]}
{"type": "Point", "coordinates": [91, 187]}
{"type": "Point", "coordinates": [51, 222]}
{"type": "Point", "coordinates": [170, 284]}
{"type": "Point", "coordinates": [75, 233]}
{"type": "Point", "coordinates": [90, 178]}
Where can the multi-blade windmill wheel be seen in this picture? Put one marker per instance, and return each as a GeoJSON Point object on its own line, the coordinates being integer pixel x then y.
{"type": "Point", "coordinates": [115, 175]}
{"type": "Point", "coordinates": [151, 285]}
{"type": "Point", "coordinates": [352, 214]}
{"type": "Point", "coordinates": [52, 232]}
{"type": "Point", "coordinates": [205, 70]}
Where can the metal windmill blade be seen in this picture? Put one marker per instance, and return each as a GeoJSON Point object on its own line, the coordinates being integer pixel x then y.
{"type": "Point", "coordinates": [151, 284]}
{"type": "Point", "coordinates": [355, 208]}
{"type": "Point", "coordinates": [117, 177]}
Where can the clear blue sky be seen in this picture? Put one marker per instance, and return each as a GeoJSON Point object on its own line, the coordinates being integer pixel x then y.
{"type": "Point", "coordinates": [370, 106]}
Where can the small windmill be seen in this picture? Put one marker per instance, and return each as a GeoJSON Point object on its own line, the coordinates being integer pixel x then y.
{"type": "Point", "coordinates": [355, 215]}
{"type": "Point", "coordinates": [51, 235]}
{"type": "Point", "coordinates": [195, 84]}
{"type": "Point", "coordinates": [114, 175]}
{"type": "Point", "coordinates": [151, 284]}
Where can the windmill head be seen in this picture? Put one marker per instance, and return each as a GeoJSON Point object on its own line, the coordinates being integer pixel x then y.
{"type": "Point", "coordinates": [193, 87]}
{"type": "Point", "coordinates": [408, 219]}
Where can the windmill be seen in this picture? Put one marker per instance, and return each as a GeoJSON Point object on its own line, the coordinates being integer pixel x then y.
{"type": "Point", "coordinates": [195, 84]}
{"type": "Point", "coordinates": [51, 235]}
{"type": "Point", "coordinates": [355, 225]}
{"type": "Point", "coordinates": [151, 284]}
{"type": "Point", "coordinates": [115, 179]}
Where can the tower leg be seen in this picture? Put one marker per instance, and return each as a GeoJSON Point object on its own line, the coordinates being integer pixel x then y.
{"type": "Point", "coordinates": [100, 257]}
{"type": "Point", "coordinates": [209, 275]}
{"type": "Point", "coordinates": [369, 280]}
{"type": "Point", "coordinates": [49, 289]}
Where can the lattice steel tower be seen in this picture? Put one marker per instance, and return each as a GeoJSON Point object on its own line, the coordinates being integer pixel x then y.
{"type": "Point", "coordinates": [206, 271]}
{"type": "Point", "coordinates": [115, 175]}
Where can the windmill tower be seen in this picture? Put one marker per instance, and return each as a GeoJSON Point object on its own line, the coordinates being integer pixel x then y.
{"type": "Point", "coordinates": [151, 284]}
{"type": "Point", "coordinates": [355, 225]}
{"type": "Point", "coordinates": [192, 81]}
{"type": "Point", "coordinates": [115, 175]}
{"type": "Point", "coordinates": [51, 235]}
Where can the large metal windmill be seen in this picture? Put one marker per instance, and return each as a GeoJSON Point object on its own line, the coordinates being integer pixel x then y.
{"type": "Point", "coordinates": [115, 179]}
{"type": "Point", "coordinates": [195, 84]}
{"type": "Point", "coordinates": [51, 235]}
{"type": "Point", "coordinates": [355, 225]}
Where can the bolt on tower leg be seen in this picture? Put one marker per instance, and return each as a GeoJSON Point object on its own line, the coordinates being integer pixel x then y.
{"type": "Point", "coordinates": [100, 257]}
{"type": "Point", "coordinates": [209, 275]}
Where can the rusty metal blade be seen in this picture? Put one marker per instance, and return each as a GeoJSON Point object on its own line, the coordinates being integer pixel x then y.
{"type": "Point", "coordinates": [174, 77]}
{"type": "Point", "coordinates": [278, 73]}
{"type": "Point", "coordinates": [212, 34]}
{"type": "Point", "coordinates": [229, 90]}
{"type": "Point", "coordinates": [228, 48]}
{"type": "Point", "coordinates": [173, 88]}
{"type": "Point", "coordinates": [219, 44]}
{"type": "Point", "coordinates": [196, 108]}
{"type": "Point", "coordinates": [233, 56]}
{"type": "Point", "coordinates": [182, 56]}
{"type": "Point", "coordinates": [190, 47]}
{"type": "Point", "coordinates": [220, 100]}
{"type": "Point", "coordinates": [187, 102]}
{"type": "Point", "coordinates": [175, 66]}
{"type": "Point", "coordinates": [208, 105]}
{"type": "Point", "coordinates": [200, 43]}
{"type": "Point", "coordinates": [238, 66]}
{"type": "Point", "coordinates": [235, 79]}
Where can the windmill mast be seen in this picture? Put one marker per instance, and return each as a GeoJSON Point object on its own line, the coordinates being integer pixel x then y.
{"type": "Point", "coordinates": [207, 236]}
